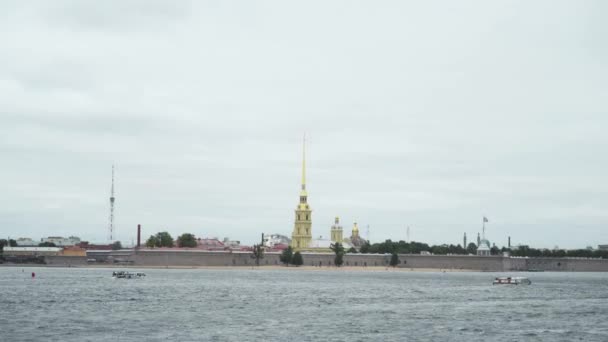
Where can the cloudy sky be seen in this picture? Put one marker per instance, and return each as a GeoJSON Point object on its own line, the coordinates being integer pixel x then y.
{"type": "Point", "coordinates": [429, 114]}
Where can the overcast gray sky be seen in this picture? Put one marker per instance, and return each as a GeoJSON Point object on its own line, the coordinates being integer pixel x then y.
{"type": "Point", "coordinates": [430, 114]}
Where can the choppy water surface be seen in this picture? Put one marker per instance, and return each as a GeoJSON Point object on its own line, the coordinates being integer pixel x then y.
{"type": "Point", "coordinates": [285, 305]}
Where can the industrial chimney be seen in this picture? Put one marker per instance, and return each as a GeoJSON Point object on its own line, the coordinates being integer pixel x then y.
{"type": "Point", "coordinates": [138, 236]}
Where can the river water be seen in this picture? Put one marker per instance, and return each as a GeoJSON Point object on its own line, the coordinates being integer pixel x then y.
{"type": "Point", "coordinates": [76, 304]}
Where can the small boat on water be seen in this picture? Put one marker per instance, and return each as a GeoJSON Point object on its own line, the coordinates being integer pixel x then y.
{"type": "Point", "coordinates": [511, 281]}
{"type": "Point", "coordinates": [127, 275]}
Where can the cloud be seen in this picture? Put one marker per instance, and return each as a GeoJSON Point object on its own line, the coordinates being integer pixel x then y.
{"type": "Point", "coordinates": [415, 115]}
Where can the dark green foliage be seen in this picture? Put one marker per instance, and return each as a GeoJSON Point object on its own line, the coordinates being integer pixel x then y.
{"type": "Point", "coordinates": [257, 253]}
{"type": "Point", "coordinates": [116, 245]}
{"type": "Point", "coordinates": [46, 244]}
{"type": "Point", "coordinates": [394, 260]}
{"type": "Point", "coordinates": [472, 248]}
{"type": "Point", "coordinates": [297, 259]}
{"type": "Point", "coordinates": [402, 247]}
{"type": "Point", "coordinates": [186, 240]}
{"type": "Point", "coordinates": [164, 239]}
{"type": "Point", "coordinates": [560, 253]}
{"type": "Point", "coordinates": [338, 248]}
{"type": "Point", "coordinates": [287, 256]}
{"type": "Point", "coordinates": [364, 247]}
{"type": "Point", "coordinates": [161, 239]}
{"type": "Point", "coordinates": [524, 251]}
{"type": "Point", "coordinates": [152, 242]}
{"type": "Point", "coordinates": [7, 243]}
{"type": "Point", "coordinates": [352, 250]}
{"type": "Point", "coordinates": [390, 247]}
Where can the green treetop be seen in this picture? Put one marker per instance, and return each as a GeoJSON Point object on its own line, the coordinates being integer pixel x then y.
{"type": "Point", "coordinates": [186, 240]}
{"type": "Point", "coordinates": [297, 259]}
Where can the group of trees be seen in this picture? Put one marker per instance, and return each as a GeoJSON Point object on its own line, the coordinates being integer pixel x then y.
{"type": "Point", "coordinates": [402, 247]}
{"type": "Point", "coordinates": [116, 245]}
{"type": "Point", "coordinates": [525, 251]}
{"type": "Point", "coordinates": [186, 240]}
{"type": "Point", "coordinates": [164, 239]}
{"type": "Point", "coordinates": [7, 243]}
{"type": "Point", "coordinates": [289, 257]}
{"type": "Point", "coordinates": [161, 239]}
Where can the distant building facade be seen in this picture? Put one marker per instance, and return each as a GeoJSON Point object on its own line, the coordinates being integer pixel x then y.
{"type": "Point", "coordinates": [61, 241]}
{"type": "Point", "coordinates": [26, 242]}
{"type": "Point", "coordinates": [274, 240]}
{"type": "Point", "coordinates": [32, 251]}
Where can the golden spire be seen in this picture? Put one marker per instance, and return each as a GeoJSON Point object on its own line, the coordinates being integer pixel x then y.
{"type": "Point", "coordinates": [304, 164]}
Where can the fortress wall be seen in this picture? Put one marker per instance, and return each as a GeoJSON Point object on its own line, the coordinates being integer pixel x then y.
{"type": "Point", "coordinates": [194, 258]}
{"type": "Point", "coordinates": [567, 264]}
{"type": "Point", "coordinates": [514, 264]}
{"type": "Point", "coordinates": [361, 260]}
{"type": "Point", "coordinates": [467, 262]}
{"type": "Point", "coordinates": [366, 260]}
{"type": "Point", "coordinates": [205, 258]}
{"type": "Point", "coordinates": [199, 258]}
{"type": "Point", "coordinates": [61, 260]}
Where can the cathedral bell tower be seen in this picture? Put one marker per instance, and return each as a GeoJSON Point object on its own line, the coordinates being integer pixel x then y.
{"type": "Point", "coordinates": [336, 231]}
{"type": "Point", "coordinates": [302, 232]}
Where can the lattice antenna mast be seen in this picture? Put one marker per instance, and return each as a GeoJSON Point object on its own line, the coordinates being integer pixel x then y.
{"type": "Point", "coordinates": [112, 198]}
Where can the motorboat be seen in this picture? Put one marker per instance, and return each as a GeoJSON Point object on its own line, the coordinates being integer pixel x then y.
{"type": "Point", "coordinates": [511, 281]}
{"type": "Point", "coordinates": [127, 275]}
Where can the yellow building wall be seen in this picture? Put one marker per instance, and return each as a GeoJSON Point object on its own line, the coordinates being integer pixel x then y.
{"type": "Point", "coordinates": [74, 252]}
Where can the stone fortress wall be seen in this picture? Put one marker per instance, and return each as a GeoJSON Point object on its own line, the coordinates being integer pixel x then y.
{"type": "Point", "coordinates": [194, 258]}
